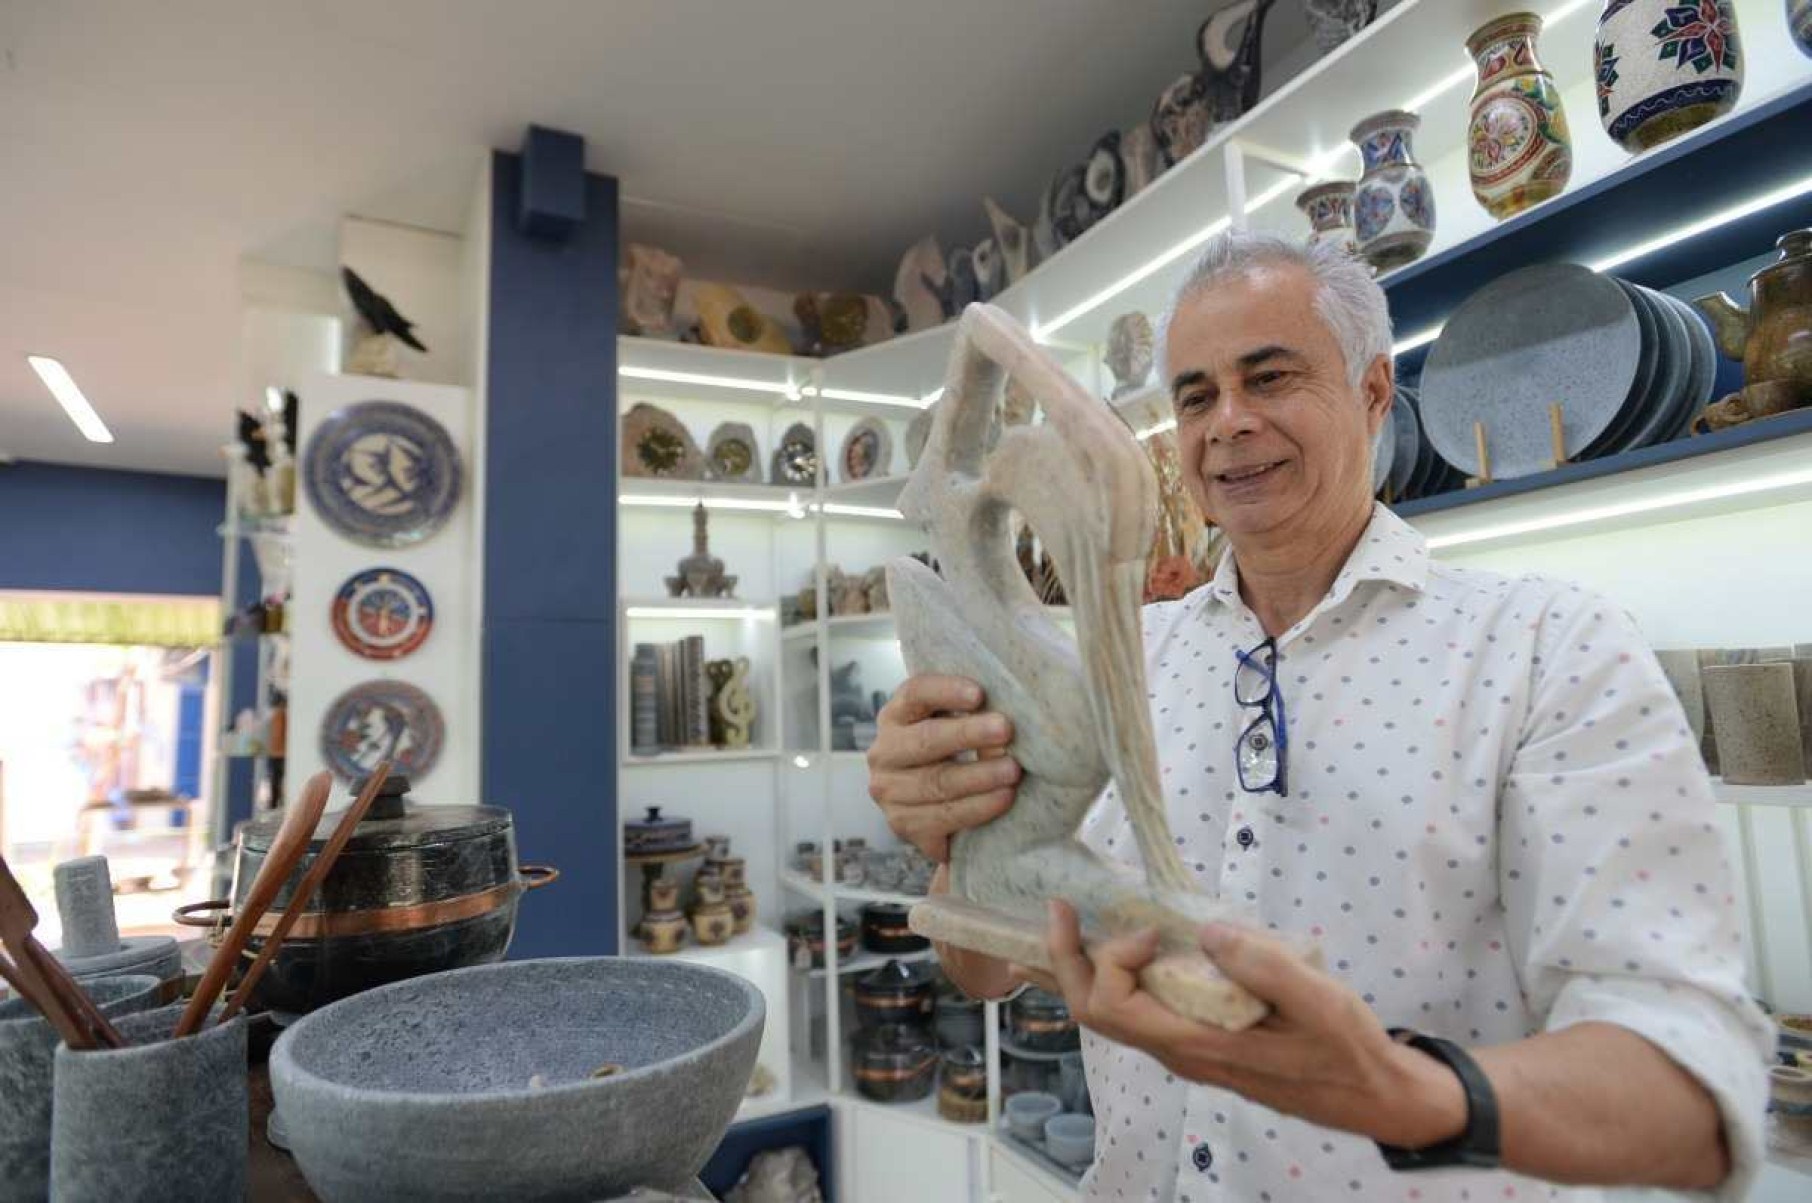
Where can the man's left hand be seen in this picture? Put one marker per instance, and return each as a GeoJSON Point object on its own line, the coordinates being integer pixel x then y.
{"type": "Point", "coordinates": [1320, 1054]}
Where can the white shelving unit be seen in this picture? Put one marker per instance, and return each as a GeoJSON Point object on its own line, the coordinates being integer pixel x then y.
{"type": "Point", "coordinates": [1667, 542]}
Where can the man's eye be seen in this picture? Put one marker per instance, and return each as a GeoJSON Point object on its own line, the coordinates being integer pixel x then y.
{"type": "Point", "coordinates": [1268, 379]}
{"type": "Point", "coordinates": [1192, 401]}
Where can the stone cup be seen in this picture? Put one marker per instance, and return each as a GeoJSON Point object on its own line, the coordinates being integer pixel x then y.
{"type": "Point", "coordinates": [173, 1113]}
{"type": "Point", "coordinates": [1027, 1113]}
{"type": "Point", "coordinates": [1682, 670]}
{"type": "Point", "coordinates": [27, 1047]}
{"type": "Point", "coordinates": [1756, 716]}
{"type": "Point", "coordinates": [1070, 1139]}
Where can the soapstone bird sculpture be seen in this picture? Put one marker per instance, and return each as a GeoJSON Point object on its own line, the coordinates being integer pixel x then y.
{"type": "Point", "coordinates": [375, 352]}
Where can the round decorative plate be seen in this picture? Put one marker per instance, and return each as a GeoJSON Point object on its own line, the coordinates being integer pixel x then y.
{"type": "Point", "coordinates": [382, 473]}
{"type": "Point", "coordinates": [1553, 334]}
{"type": "Point", "coordinates": [379, 720]}
{"type": "Point", "coordinates": [382, 614]}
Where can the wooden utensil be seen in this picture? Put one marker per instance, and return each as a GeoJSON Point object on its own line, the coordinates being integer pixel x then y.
{"type": "Point", "coordinates": [287, 849]}
{"type": "Point", "coordinates": [46, 983]}
{"type": "Point", "coordinates": [305, 889]}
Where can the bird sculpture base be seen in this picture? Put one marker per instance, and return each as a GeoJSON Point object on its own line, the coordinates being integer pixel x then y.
{"type": "Point", "coordinates": [373, 355]}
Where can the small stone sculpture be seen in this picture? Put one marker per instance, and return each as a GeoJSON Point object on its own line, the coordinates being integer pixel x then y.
{"type": "Point", "coordinates": [381, 326]}
{"type": "Point", "coordinates": [874, 583]}
{"type": "Point", "coordinates": [656, 444]}
{"type": "Point", "coordinates": [701, 574]}
{"type": "Point", "coordinates": [1079, 710]}
{"type": "Point", "coordinates": [916, 285]}
{"type": "Point", "coordinates": [1129, 352]}
{"type": "Point", "coordinates": [1015, 245]}
{"type": "Point", "coordinates": [730, 454]}
{"type": "Point", "coordinates": [795, 459]}
{"type": "Point", "coordinates": [732, 706]}
{"type": "Point", "coordinates": [846, 593]}
{"type": "Point", "coordinates": [1230, 69]}
{"type": "Point", "coordinates": [833, 322]}
{"type": "Point", "coordinates": [726, 319]}
{"type": "Point", "coordinates": [649, 292]}
{"type": "Point", "coordinates": [778, 1176]}
{"type": "Point", "coordinates": [1139, 153]}
{"type": "Point", "coordinates": [1334, 21]}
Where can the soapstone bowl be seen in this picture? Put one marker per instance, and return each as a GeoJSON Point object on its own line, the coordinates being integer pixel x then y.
{"type": "Point", "coordinates": [478, 1083]}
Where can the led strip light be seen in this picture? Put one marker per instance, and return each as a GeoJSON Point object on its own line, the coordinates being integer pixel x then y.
{"type": "Point", "coordinates": [698, 612]}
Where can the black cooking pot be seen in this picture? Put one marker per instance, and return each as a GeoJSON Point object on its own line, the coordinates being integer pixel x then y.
{"type": "Point", "coordinates": [805, 939]}
{"type": "Point", "coordinates": [418, 889]}
{"type": "Point", "coordinates": [894, 1063]}
{"type": "Point", "coordinates": [893, 994]}
{"type": "Point", "coordinates": [885, 929]}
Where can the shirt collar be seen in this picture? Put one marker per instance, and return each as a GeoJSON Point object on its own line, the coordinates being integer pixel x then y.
{"type": "Point", "coordinates": [1390, 550]}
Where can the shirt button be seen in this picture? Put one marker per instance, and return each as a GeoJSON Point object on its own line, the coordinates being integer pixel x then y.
{"type": "Point", "coordinates": [1245, 837]}
{"type": "Point", "coordinates": [1203, 1157]}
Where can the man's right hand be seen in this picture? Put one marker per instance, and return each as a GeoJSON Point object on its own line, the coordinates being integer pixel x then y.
{"type": "Point", "coordinates": [926, 794]}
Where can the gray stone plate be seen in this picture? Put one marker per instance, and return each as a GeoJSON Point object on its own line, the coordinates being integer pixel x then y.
{"type": "Point", "coordinates": [1408, 434]}
{"type": "Point", "coordinates": [1556, 333]}
{"type": "Point", "coordinates": [1611, 441]}
{"type": "Point", "coordinates": [1671, 371]}
{"type": "Point", "coordinates": [1702, 380]}
{"type": "Point", "coordinates": [1384, 451]}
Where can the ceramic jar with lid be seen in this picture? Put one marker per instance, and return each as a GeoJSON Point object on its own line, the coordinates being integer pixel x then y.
{"type": "Point", "coordinates": [885, 929]}
{"type": "Point", "coordinates": [895, 993]}
{"type": "Point", "coordinates": [805, 939]}
{"type": "Point", "coordinates": [1518, 149]}
{"type": "Point", "coordinates": [663, 927]}
{"type": "Point", "coordinates": [655, 834]}
{"type": "Point", "coordinates": [894, 1063]}
{"type": "Point", "coordinates": [1664, 67]}
{"type": "Point", "coordinates": [1040, 1022]}
{"type": "Point", "coordinates": [957, 1019]}
{"type": "Point", "coordinates": [1329, 208]}
{"type": "Point", "coordinates": [962, 1089]}
{"type": "Point", "coordinates": [1393, 205]}
{"type": "Point", "coordinates": [712, 920]}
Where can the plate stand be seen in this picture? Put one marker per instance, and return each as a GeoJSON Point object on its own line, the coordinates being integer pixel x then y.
{"type": "Point", "coordinates": [1556, 433]}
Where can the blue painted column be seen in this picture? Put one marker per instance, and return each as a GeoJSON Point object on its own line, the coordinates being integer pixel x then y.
{"type": "Point", "coordinates": [549, 704]}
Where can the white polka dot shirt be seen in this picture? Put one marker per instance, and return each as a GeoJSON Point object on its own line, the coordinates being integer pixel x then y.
{"type": "Point", "coordinates": [1497, 824]}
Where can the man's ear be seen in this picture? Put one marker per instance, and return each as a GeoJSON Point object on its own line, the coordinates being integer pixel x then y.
{"type": "Point", "coordinates": [1379, 389]}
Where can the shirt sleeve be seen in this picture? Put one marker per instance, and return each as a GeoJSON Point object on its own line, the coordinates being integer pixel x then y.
{"type": "Point", "coordinates": [1618, 888]}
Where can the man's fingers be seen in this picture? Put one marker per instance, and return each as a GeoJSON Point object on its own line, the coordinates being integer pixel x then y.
{"type": "Point", "coordinates": [930, 825]}
{"type": "Point", "coordinates": [923, 696]}
{"type": "Point", "coordinates": [944, 781]}
{"type": "Point", "coordinates": [1268, 969]}
{"type": "Point", "coordinates": [1070, 965]}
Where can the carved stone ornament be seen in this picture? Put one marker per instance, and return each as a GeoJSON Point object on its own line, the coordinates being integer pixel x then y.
{"type": "Point", "coordinates": [1079, 708]}
{"type": "Point", "coordinates": [656, 444]}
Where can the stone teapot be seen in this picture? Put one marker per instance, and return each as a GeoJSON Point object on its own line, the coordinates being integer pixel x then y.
{"type": "Point", "coordinates": [1773, 337]}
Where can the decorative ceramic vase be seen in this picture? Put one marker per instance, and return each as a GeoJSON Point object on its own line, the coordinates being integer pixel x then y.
{"type": "Point", "coordinates": [1329, 208]}
{"type": "Point", "coordinates": [1518, 150]}
{"type": "Point", "coordinates": [1334, 21]}
{"type": "Point", "coordinates": [1393, 206]}
{"type": "Point", "coordinates": [1665, 67]}
{"type": "Point", "coordinates": [1799, 23]}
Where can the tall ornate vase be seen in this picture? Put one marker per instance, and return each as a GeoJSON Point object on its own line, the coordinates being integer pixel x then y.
{"type": "Point", "coordinates": [1799, 21]}
{"type": "Point", "coordinates": [1329, 208]}
{"type": "Point", "coordinates": [1518, 149]}
{"type": "Point", "coordinates": [1666, 66]}
{"type": "Point", "coordinates": [1393, 206]}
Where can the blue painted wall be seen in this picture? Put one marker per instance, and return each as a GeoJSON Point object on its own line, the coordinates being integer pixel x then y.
{"type": "Point", "coordinates": [550, 561]}
{"type": "Point", "coordinates": [91, 530]}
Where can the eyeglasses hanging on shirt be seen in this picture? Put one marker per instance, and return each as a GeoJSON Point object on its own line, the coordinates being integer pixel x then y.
{"type": "Point", "coordinates": [1263, 746]}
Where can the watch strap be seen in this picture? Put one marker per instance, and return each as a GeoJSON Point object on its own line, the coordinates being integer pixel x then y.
{"type": "Point", "coordinates": [1478, 1145]}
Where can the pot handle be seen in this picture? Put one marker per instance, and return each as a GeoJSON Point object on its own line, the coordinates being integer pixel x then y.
{"type": "Point", "coordinates": [535, 876]}
{"type": "Point", "coordinates": [189, 914]}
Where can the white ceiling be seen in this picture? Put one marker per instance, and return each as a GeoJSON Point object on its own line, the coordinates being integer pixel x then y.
{"type": "Point", "coordinates": [147, 148]}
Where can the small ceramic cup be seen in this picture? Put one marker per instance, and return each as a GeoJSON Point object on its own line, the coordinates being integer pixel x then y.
{"type": "Point", "coordinates": [27, 1047]}
{"type": "Point", "coordinates": [170, 1112]}
{"type": "Point", "coordinates": [1756, 716]}
{"type": "Point", "coordinates": [1070, 1139]}
{"type": "Point", "coordinates": [1027, 1113]}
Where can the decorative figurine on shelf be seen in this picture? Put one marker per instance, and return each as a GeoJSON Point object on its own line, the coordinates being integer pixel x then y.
{"type": "Point", "coordinates": [833, 322]}
{"type": "Point", "coordinates": [656, 444]}
{"type": "Point", "coordinates": [1129, 353]}
{"type": "Point", "coordinates": [874, 583]}
{"type": "Point", "coordinates": [849, 706]}
{"type": "Point", "coordinates": [1393, 207]}
{"type": "Point", "coordinates": [1231, 66]}
{"type": "Point", "coordinates": [1080, 713]}
{"type": "Point", "coordinates": [732, 706]}
{"type": "Point", "coordinates": [737, 894]}
{"type": "Point", "coordinates": [990, 272]}
{"type": "Point", "coordinates": [1015, 246]}
{"type": "Point", "coordinates": [1139, 155]}
{"type": "Point", "coordinates": [701, 574]}
{"type": "Point", "coordinates": [795, 459]}
{"type": "Point", "coordinates": [652, 283]}
{"type": "Point", "coordinates": [1329, 208]}
{"type": "Point", "coordinates": [1335, 21]}
{"type": "Point", "coordinates": [726, 319]}
{"type": "Point", "coordinates": [374, 354]}
{"type": "Point", "coordinates": [848, 596]}
{"type": "Point", "coordinates": [712, 920]}
{"type": "Point", "coordinates": [730, 454]}
{"type": "Point", "coordinates": [1519, 151]}
{"type": "Point", "coordinates": [867, 451]}
{"type": "Point", "coordinates": [1773, 337]}
{"type": "Point", "coordinates": [663, 926]}
{"type": "Point", "coordinates": [1179, 119]}
{"type": "Point", "coordinates": [916, 285]}
{"type": "Point", "coordinates": [1665, 67]}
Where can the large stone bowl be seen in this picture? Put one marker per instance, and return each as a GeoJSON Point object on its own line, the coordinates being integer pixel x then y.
{"type": "Point", "coordinates": [479, 1083]}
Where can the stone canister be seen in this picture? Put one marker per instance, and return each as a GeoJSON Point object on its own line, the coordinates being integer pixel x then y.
{"type": "Point", "coordinates": [27, 1046]}
{"type": "Point", "coordinates": [1799, 23]}
{"type": "Point", "coordinates": [737, 894]}
{"type": "Point", "coordinates": [1518, 150]}
{"type": "Point", "coordinates": [1664, 67]}
{"type": "Point", "coordinates": [1329, 208]}
{"type": "Point", "coordinates": [663, 927]}
{"type": "Point", "coordinates": [712, 920]}
{"type": "Point", "coordinates": [1757, 720]}
{"type": "Point", "coordinates": [1393, 207]}
{"type": "Point", "coordinates": [171, 1117]}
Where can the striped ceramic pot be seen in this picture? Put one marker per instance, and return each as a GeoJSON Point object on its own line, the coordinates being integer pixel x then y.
{"type": "Point", "coordinates": [1393, 206]}
{"type": "Point", "coordinates": [1799, 21]}
{"type": "Point", "coordinates": [1665, 67]}
{"type": "Point", "coordinates": [1518, 150]}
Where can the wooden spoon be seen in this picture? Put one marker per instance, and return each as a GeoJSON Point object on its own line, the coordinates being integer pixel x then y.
{"type": "Point", "coordinates": [287, 849]}
{"type": "Point", "coordinates": [41, 978]}
{"type": "Point", "coordinates": [305, 890]}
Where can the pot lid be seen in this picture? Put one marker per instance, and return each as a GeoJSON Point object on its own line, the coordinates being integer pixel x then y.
{"type": "Point", "coordinates": [886, 910]}
{"type": "Point", "coordinates": [896, 979]}
{"type": "Point", "coordinates": [394, 821]}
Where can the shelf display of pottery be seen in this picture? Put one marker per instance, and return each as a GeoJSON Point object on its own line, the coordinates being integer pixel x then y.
{"type": "Point", "coordinates": [731, 454]}
{"type": "Point", "coordinates": [1664, 68]}
{"type": "Point", "coordinates": [1519, 153]}
{"type": "Point", "coordinates": [849, 594]}
{"type": "Point", "coordinates": [903, 870]}
{"type": "Point", "coordinates": [721, 905]}
{"type": "Point", "coordinates": [834, 322]}
{"type": "Point", "coordinates": [1772, 336]}
{"type": "Point", "coordinates": [679, 700]}
{"type": "Point", "coordinates": [795, 459]}
{"type": "Point", "coordinates": [1393, 205]}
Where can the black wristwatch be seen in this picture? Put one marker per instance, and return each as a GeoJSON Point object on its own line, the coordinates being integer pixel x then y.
{"type": "Point", "coordinates": [1478, 1145]}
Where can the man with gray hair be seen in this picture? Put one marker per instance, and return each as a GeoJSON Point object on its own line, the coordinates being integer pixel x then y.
{"type": "Point", "coordinates": [1478, 794]}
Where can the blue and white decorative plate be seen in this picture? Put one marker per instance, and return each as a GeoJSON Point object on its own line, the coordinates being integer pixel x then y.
{"type": "Point", "coordinates": [382, 473]}
{"type": "Point", "coordinates": [382, 614]}
{"type": "Point", "coordinates": [382, 720]}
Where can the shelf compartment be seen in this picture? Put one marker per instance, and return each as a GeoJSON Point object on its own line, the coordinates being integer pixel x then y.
{"type": "Point", "coordinates": [696, 757]}
{"type": "Point", "coordinates": [1797, 797]}
{"type": "Point", "coordinates": [657, 370]}
{"type": "Point", "coordinates": [892, 379]}
{"type": "Point", "coordinates": [850, 626]}
{"type": "Point", "coordinates": [653, 492]}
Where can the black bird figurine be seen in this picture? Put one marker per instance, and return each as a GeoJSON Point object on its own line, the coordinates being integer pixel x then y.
{"type": "Point", "coordinates": [379, 314]}
{"type": "Point", "coordinates": [251, 434]}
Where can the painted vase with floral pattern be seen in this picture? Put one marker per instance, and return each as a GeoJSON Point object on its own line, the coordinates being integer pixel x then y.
{"type": "Point", "coordinates": [1518, 150]}
{"type": "Point", "coordinates": [1664, 67]}
{"type": "Point", "coordinates": [1329, 208]}
{"type": "Point", "coordinates": [1393, 205]}
{"type": "Point", "coordinates": [1799, 21]}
